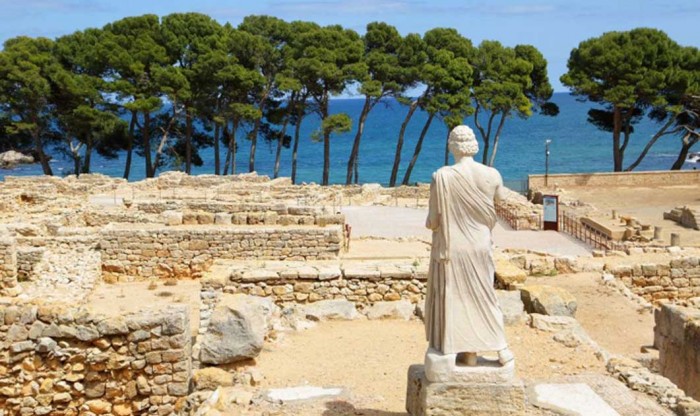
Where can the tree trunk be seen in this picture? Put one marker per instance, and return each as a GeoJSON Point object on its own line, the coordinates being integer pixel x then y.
{"type": "Point", "coordinates": [39, 148]}
{"type": "Point", "coordinates": [256, 129]}
{"type": "Point", "coordinates": [88, 155]}
{"type": "Point", "coordinates": [416, 152]}
{"type": "Point", "coordinates": [188, 141]}
{"type": "Point", "coordinates": [357, 171]}
{"type": "Point", "coordinates": [358, 136]}
{"type": "Point", "coordinates": [130, 145]}
{"type": "Point", "coordinates": [297, 131]}
{"type": "Point", "coordinates": [496, 137]}
{"type": "Point", "coordinates": [617, 128]}
{"type": "Point", "coordinates": [278, 151]}
{"type": "Point", "coordinates": [217, 155]}
{"type": "Point", "coordinates": [326, 142]}
{"type": "Point", "coordinates": [232, 147]}
{"type": "Point", "coordinates": [651, 142]}
{"type": "Point", "coordinates": [399, 144]}
{"type": "Point", "coordinates": [688, 142]}
{"type": "Point", "coordinates": [150, 171]}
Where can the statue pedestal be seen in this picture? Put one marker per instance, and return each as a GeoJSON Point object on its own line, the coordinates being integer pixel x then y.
{"type": "Point", "coordinates": [487, 389]}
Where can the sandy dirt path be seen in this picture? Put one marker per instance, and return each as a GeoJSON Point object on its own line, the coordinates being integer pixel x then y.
{"type": "Point", "coordinates": [370, 360]}
{"type": "Point", "coordinates": [613, 321]}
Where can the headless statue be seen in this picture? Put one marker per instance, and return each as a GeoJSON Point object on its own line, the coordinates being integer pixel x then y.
{"type": "Point", "coordinates": [462, 314]}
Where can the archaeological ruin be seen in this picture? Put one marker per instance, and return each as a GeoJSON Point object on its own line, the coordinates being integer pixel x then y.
{"type": "Point", "coordinates": [194, 295]}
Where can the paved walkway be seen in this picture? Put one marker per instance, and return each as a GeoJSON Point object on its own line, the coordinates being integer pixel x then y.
{"type": "Point", "coordinates": [394, 222]}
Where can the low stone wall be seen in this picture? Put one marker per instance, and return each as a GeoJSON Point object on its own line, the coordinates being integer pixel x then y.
{"type": "Point", "coordinates": [307, 284]}
{"type": "Point", "coordinates": [69, 361]}
{"type": "Point", "coordinates": [27, 261]}
{"type": "Point", "coordinates": [676, 279]}
{"type": "Point", "coordinates": [652, 178]}
{"type": "Point", "coordinates": [130, 253]}
{"type": "Point", "coordinates": [677, 336]}
{"type": "Point", "coordinates": [8, 267]}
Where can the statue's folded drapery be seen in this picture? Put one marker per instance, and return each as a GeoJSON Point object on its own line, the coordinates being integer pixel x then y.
{"type": "Point", "coordinates": [461, 309]}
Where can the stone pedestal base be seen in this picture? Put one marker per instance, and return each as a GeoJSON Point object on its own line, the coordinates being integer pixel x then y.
{"type": "Point", "coordinates": [482, 396]}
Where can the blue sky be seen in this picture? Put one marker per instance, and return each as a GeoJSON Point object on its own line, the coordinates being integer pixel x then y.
{"type": "Point", "coordinates": [553, 26]}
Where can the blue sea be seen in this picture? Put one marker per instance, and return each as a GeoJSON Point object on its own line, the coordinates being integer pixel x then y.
{"type": "Point", "coordinates": [577, 146]}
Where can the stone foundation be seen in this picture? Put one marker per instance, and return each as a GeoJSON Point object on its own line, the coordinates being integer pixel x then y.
{"type": "Point", "coordinates": [63, 360]}
{"type": "Point", "coordinates": [677, 336]}
{"type": "Point", "coordinates": [676, 279]}
{"type": "Point", "coordinates": [186, 252]}
{"type": "Point", "coordinates": [478, 398]}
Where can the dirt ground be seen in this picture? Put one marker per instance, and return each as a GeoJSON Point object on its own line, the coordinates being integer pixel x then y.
{"type": "Point", "coordinates": [612, 320]}
{"type": "Point", "coordinates": [370, 359]}
{"type": "Point", "coordinates": [646, 203]}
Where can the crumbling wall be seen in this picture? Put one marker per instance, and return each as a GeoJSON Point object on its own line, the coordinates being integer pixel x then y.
{"type": "Point", "coordinates": [300, 283]}
{"type": "Point", "coordinates": [8, 267]}
{"type": "Point", "coordinates": [186, 252]}
{"type": "Point", "coordinates": [57, 359]}
{"type": "Point", "coordinates": [676, 279]}
{"type": "Point", "coordinates": [677, 336]}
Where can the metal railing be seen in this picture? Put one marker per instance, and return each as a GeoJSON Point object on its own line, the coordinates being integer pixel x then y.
{"type": "Point", "coordinates": [513, 220]}
{"type": "Point", "coordinates": [572, 225]}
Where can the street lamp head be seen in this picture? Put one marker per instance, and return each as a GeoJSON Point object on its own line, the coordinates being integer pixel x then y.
{"type": "Point", "coordinates": [548, 141]}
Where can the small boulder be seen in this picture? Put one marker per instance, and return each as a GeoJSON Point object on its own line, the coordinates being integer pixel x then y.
{"type": "Point", "coordinates": [553, 323]}
{"type": "Point", "coordinates": [210, 378]}
{"type": "Point", "coordinates": [237, 329]}
{"type": "Point", "coordinates": [511, 306]}
{"type": "Point", "coordinates": [508, 274]}
{"type": "Point", "coordinates": [401, 309]}
{"type": "Point", "coordinates": [548, 300]}
{"type": "Point", "coordinates": [334, 309]}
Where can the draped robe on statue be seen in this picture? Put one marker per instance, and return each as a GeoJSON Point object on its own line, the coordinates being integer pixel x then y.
{"type": "Point", "coordinates": [462, 313]}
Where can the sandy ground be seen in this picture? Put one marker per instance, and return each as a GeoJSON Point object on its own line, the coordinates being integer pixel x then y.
{"type": "Point", "coordinates": [370, 360]}
{"type": "Point", "coordinates": [124, 298]}
{"type": "Point", "coordinates": [612, 320]}
{"type": "Point", "coordinates": [646, 203]}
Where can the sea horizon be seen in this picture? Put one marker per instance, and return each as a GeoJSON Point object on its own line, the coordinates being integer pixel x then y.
{"type": "Point", "coordinates": [576, 147]}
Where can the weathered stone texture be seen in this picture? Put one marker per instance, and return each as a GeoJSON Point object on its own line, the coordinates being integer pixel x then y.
{"type": "Point", "coordinates": [63, 360]}
{"type": "Point", "coordinates": [677, 336]}
{"type": "Point", "coordinates": [8, 267]}
{"type": "Point", "coordinates": [677, 279]}
{"type": "Point", "coordinates": [424, 398]}
{"type": "Point", "coordinates": [186, 252]}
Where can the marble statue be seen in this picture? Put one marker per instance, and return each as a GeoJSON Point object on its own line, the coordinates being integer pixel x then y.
{"type": "Point", "coordinates": [462, 314]}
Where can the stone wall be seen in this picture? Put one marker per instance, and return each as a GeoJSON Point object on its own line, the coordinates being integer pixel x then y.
{"type": "Point", "coordinates": [300, 283]}
{"type": "Point", "coordinates": [8, 267]}
{"type": "Point", "coordinates": [677, 336]}
{"type": "Point", "coordinates": [63, 360]}
{"type": "Point", "coordinates": [652, 178]}
{"type": "Point", "coordinates": [130, 253]}
{"type": "Point", "coordinates": [676, 279]}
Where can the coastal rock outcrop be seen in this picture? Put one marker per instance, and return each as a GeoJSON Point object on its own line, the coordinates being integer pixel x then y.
{"type": "Point", "coordinates": [12, 158]}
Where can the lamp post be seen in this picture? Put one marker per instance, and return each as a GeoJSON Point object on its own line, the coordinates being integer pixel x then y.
{"type": "Point", "coordinates": [546, 161]}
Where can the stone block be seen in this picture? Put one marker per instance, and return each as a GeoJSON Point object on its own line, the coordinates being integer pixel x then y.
{"type": "Point", "coordinates": [402, 309]}
{"type": "Point", "coordinates": [424, 398]}
{"type": "Point", "coordinates": [511, 306]}
{"type": "Point", "coordinates": [222, 218]}
{"type": "Point", "coordinates": [508, 274]}
{"type": "Point", "coordinates": [548, 300]}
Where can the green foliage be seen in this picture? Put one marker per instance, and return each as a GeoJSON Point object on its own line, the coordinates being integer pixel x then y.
{"type": "Point", "coordinates": [628, 72]}
{"type": "Point", "coordinates": [507, 81]}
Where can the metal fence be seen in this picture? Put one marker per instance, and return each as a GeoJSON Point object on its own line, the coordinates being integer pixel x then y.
{"type": "Point", "coordinates": [514, 221]}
